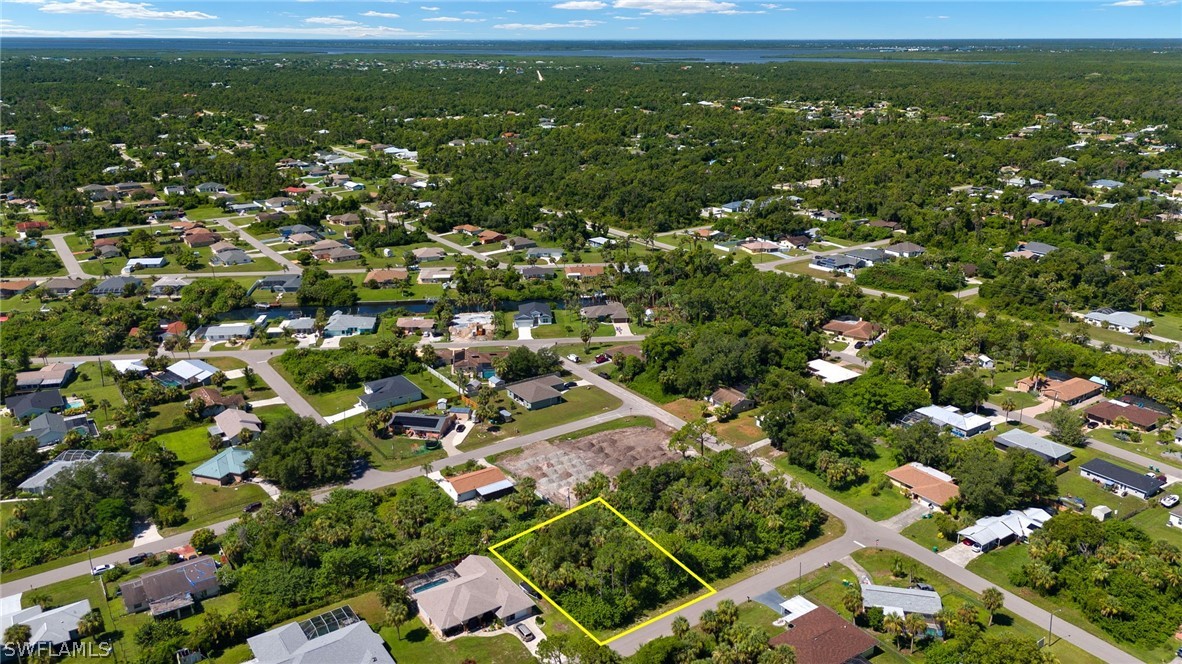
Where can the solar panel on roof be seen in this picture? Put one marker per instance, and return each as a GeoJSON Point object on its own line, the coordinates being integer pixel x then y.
{"type": "Point", "coordinates": [328, 622]}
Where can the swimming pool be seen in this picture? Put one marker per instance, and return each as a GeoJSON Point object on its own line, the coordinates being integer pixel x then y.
{"type": "Point", "coordinates": [429, 585]}
{"type": "Point", "coordinates": [75, 402]}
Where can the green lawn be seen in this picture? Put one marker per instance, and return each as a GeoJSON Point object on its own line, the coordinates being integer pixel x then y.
{"type": "Point", "coordinates": [205, 504]}
{"type": "Point", "coordinates": [1115, 338]}
{"type": "Point", "coordinates": [879, 562]}
{"type": "Point", "coordinates": [568, 324]}
{"type": "Point", "coordinates": [1148, 447]}
{"type": "Point", "coordinates": [889, 501]}
{"type": "Point", "coordinates": [89, 386]}
{"type": "Point", "coordinates": [741, 431]}
{"type": "Point", "coordinates": [1071, 483]}
{"type": "Point", "coordinates": [330, 403]}
{"type": "Point", "coordinates": [395, 453]}
{"type": "Point", "coordinates": [647, 385]}
{"type": "Point", "coordinates": [1167, 325]}
{"type": "Point", "coordinates": [924, 533]}
{"type": "Point", "coordinates": [113, 266]}
{"type": "Point", "coordinates": [801, 268]}
{"type": "Point", "coordinates": [1021, 399]}
{"type": "Point", "coordinates": [1156, 522]}
{"type": "Point", "coordinates": [578, 403]}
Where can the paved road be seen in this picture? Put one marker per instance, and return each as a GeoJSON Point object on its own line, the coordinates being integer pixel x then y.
{"type": "Point", "coordinates": [1172, 468]}
{"type": "Point", "coordinates": [73, 267]}
{"type": "Point", "coordinates": [861, 533]}
{"type": "Point", "coordinates": [228, 223]}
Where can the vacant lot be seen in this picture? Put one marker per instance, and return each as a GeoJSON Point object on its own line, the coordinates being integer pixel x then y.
{"type": "Point", "coordinates": [559, 467]}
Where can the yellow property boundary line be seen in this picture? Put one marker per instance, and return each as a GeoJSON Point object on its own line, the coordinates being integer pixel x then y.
{"type": "Point", "coordinates": [601, 501]}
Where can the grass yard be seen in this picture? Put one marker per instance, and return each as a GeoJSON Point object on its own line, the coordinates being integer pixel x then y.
{"type": "Point", "coordinates": [687, 409]}
{"type": "Point", "coordinates": [330, 403]}
{"type": "Point", "coordinates": [924, 533]}
{"type": "Point", "coordinates": [889, 501]}
{"type": "Point", "coordinates": [801, 268]}
{"type": "Point", "coordinates": [741, 430]}
{"type": "Point", "coordinates": [878, 563]}
{"type": "Point", "coordinates": [205, 504]}
{"type": "Point", "coordinates": [1071, 483]}
{"type": "Point", "coordinates": [578, 403]}
{"type": "Point", "coordinates": [1115, 338]}
{"type": "Point", "coordinates": [1167, 325]}
{"type": "Point", "coordinates": [88, 386]}
{"type": "Point", "coordinates": [396, 453]}
{"type": "Point", "coordinates": [568, 324]}
{"type": "Point", "coordinates": [1156, 522]}
{"type": "Point", "coordinates": [1021, 399]}
{"type": "Point", "coordinates": [1148, 447]}
{"type": "Point", "coordinates": [647, 386]}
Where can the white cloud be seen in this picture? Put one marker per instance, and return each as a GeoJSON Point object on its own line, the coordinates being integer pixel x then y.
{"type": "Point", "coordinates": [628, 18]}
{"type": "Point", "coordinates": [452, 19]}
{"type": "Point", "coordinates": [547, 26]}
{"type": "Point", "coordinates": [330, 20]}
{"type": "Point", "coordinates": [581, 5]}
{"type": "Point", "coordinates": [119, 9]}
{"type": "Point", "coordinates": [1128, 3]}
{"type": "Point", "coordinates": [429, 9]}
{"type": "Point", "coordinates": [676, 7]}
{"type": "Point", "coordinates": [373, 14]}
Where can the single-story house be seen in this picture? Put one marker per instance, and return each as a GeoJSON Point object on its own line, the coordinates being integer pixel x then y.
{"type": "Point", "coordinates": [536, 393]}
{"type": "Point", "coordinates": [484, 484]}
{"type": "Point", "coordinates": [200, 237]}
{"type": "Point", "coordinates": [279, 283]}
{"type": "Point", "coordinates": [188, 373]}
{"type": "Point", "coordinates": [904, 250]}
{"type": "Point", "coordinates": [759, 247]}
{"type": "Point", "coordinates": [347, 325]}
{"type": "Point", "coordinates": [427, 254]}
{"type": "Point", "coordinates": [136, 367]}
{"type": "Point", "coordinates": [466, 229]}
{"type": "Point", "coordinates": [835, 264]}
{"type": "Point", "coordinates": [868, 257]}
{"type": "Point", "coordinates": [1119, 478]}
{"type": "Point", "coordinates": [110, 232]}
{"type": "Point", "coordinates": [230, 425]}
{"type": "Point", "coordinates": [1175, 519]}
{"type": "Point", "coordinates": [1064, 388]}
{"type": "Point", "coordinates": [225, 332]}
{"type": "Point", "coordinates": [226, 468]}
{"type": "Point", "coordinates": [1110, 411]}
{"type": "Point", "coordinates": [60, 286]}
{"type": "Point", "coordinates": [165, 286]}
{"type": "Point", "coordinates": [480, 594]}
{"type": "Point", "coordinates": [413, 324]}
{"type": "Point", "coordinates": [535, 271]}
{"type": "Point", "coordinates": [533, 314]}
{"type": "Point", "coordinates": [107, 251]}
{"type": "Point", "coordinates": [386, 278]}
{"type": "Point", "coordinates": [1121, 321]}
{"type": "Point", "coordinates": [388, 392]}
{"type": "Point", "coordinates": [552, 253]}
{"type": "Point", "coordinates": [427, 427]}
{"type": "Point", "coordinates": [214, 402]}
{"type": "Point", "coordinates": [13, 288]}
{"type": "Point", "coordinates": [830, 372]}
{"type": "Point", "coordinates": [52, 628]}
{"type": "Point", "coordinates": [489, 237]}
{"type": "Point", "coordinates": [173, 591]}
{"type": "Point", "coordinates": [116, 286]}
{"type": "Point", "coordinates": [1049, 450]}
{"type": "Point", "coordinates": [901, 601]}
{"type": "Point", "coordinates": [519, 243]}
{"type": "Point", "coordinates": [340, 254]}
{"type": "Point", "coordinates": [336, 636]}
{"type": "Point", "coordinates": [613, 312]}
{"type": "Point", "coordinates": [925, 484]}
{"type": "Point", "coordinates": [211, 188]}
{"type": "Point", "coordinates": [46, 377]}
{"type": "Point", "coordinates": [580, 272]}
{"type": "Point", "coordinates": [39, 481]}
{"type": "Point", "coordinates": [347, 219]}
{"type": "Point", "coordinates": [303, 239]}
{"type": "Point", "coordinates": [738, 399]}
{"type": "Point", "coordinates": [850, 330]}
{"type": "Point", "coordinates": [231, 256]}
{"type": "Point", "coordinates": [961, 425]}
{"type": "Point", "coordinates": [49, 429]}
{"type": "Point", "coordinates": [993, 531]}
{"type": "Point", "coordinates": [436, 275]}
{"type": "Point", "coordinates": [795, 242]}
{"type": "Point", "coordinates": [1104, 183]}
{"type": "Point", "coordinates": [134, 264]}
{"type": "Point", "coordinates": [24, 406]}
{"type": "Point", "coordinates": [819, 636]}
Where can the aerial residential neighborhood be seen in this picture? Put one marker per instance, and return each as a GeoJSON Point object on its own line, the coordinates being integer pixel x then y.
{"type": "Point", "coordinates": [325, 341]}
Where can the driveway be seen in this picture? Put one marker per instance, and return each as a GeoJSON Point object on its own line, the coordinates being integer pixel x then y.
{"type": "Point", "coordinates": [73, 267]}
{"type": "Point", "coordinates": [960, 555]}
{"type": "Point", "coordinates": [344, 415]}
{"type": "Point", "coordinates": [525, 333]}
{"type": "Point", "coordinates": [539, 636]}
{"type": "Point", "coordinates": [623, 329]}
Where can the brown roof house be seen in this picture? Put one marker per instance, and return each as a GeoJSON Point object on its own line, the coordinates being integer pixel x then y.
{"type": "Point", "coordinates": [1068, 390]}
{"type": "Point", "coordinates": [477, 594]}
{"type": "Point", "coordinates": [859, 330]}
{"type": "Point", "coordinates": [47, 377]}
{"type": "Point", "coordinates": [925, 484]}
{"type": "Point", "coordinates": [820, 636]}
{"type": "Point", "coordinates": [214, 401]}
{"type": "Point", "coordinates": [1109, 412]}
{"type": "Point", "coordinates": [484, 484]}
{"type": "Point", "coordinates": [388, 277]}
{"type": "Point", "coordinates": [737, 399]}
{"type": "Point", "coordinates": [174, 591]}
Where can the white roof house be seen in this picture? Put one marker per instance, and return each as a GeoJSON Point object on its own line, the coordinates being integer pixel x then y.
{"type": "Point", "coordinates": [193, 370]}
{"type": "Point", "coordinates": [901, 601]}
{"type": "Point", "coordinates": [336, 636]}
{"type": "Point", "coordinates": [962, 424]}
{"type": "Point", "coordinates": [991, 531]}
{"type": "Point", "coordinates": [829, 372]}
{"type": "Point", "coordinates": [54, 626]}
{"type": "Point", "coordinates": [1121, 320]}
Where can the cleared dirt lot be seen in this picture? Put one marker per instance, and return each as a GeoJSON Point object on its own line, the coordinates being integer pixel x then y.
{"type": "Point", "coordinates": [558, 467]}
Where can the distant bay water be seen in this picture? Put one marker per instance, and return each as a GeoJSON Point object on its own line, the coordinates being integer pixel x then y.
{"type": "Point", "coordinates": [737, 52]}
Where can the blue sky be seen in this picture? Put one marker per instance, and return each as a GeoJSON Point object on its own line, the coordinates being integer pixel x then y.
{"type": "Point", "coordinates": [591, 19]}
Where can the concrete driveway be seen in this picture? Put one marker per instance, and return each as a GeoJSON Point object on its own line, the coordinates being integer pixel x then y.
{"type": "Point", "coordinates": [344, 415]}
{"type": "Point", "coordinates": [525, 333]}
{"type": "Point", "coordinates": [960, 554]}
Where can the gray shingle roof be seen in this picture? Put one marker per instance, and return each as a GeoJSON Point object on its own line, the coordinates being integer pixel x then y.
{"type": "Point", "coordinates": [905, 600]}
{"type": "Point", "coordinates": [1048, 449]}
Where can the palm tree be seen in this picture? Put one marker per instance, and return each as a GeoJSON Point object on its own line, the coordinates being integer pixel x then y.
{"type": "Point", "coordinates": [681, 627]}
{"type": "Point", "coordinates": [91, 624]}
{"type": "Point", "coordinates": [1142, 329]}
{"type": "Point", "coordinates": [1009, 406]}
{"type": "Point", "coordinates": [993, 600]}
{"type": "Point", "coordinates": [396, 600]}
{"type": "Point", "coordinates": [915, 626]}
{"type": "Point", "coordinates": [105, 405]}
{"type": "Point", "coordinates": [852, 600]}
{"type": "Point", "coordinates": [893, 624]}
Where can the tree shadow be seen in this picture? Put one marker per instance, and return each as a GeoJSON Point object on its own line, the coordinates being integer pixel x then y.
{"type": "Point", "coordinates": [417, 635]}
{"type": "Point", "coordinates": [1003, 620]}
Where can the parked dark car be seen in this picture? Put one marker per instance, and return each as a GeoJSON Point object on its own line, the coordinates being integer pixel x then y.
{"type": "Point", "coordinates": [253, 507]}
{"type": "Point", "coordinates": [461, 428]}
{"type": "Point", "coordinates": [601, 358]}
{"type": "Point", "coordinates": [922, 586]}
{"type": "Point", "coordinates": [860, 345]}
{"type": "Point", "coordinates": [525, 587]}
{"type": "Point", "coordinates": [137, 559]}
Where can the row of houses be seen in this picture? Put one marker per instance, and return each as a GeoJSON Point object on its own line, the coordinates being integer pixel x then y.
{"type": "Point", "coordinates": [848, 261]}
